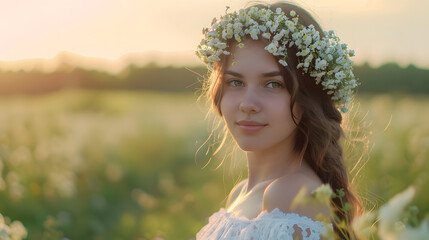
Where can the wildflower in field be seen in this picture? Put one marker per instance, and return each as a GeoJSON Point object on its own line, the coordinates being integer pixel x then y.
{"type": "Point", "coordinates": [323, 193]}
{"type": "Point", "coordinates": [389, 225]}
{"type": "Point", "coordinates": [422, 232]}
{"type": "Point", "coordinates": [364, 225]}
{"type": "Point", "coordinates": [13, 231]}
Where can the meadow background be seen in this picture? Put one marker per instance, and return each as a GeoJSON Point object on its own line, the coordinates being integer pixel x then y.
{"type": "Point", "coordinates": [101, 136]}
{"type": "Point", "coordinates": [128, 161]}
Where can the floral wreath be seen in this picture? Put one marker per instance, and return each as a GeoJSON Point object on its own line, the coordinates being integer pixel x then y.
{"type": "Point", "coordinates": [325, 57]}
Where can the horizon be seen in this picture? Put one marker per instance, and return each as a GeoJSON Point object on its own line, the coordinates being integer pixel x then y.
{"type": "Point", "coordinates": [115, 66]}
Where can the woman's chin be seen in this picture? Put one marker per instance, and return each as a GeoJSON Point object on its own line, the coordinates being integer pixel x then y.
{"type": "Point", "coordinates": [250, 147]}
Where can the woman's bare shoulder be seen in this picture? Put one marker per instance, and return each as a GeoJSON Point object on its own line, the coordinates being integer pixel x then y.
{"type": "Point", "coordinates": [281, 193]}
{"type": "Point", "coordinates": [235, 192]}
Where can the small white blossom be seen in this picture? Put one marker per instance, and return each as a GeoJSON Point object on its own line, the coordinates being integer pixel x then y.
{"type": "Point", "coordinates": [283, 62]}
{"type": "Point", "coordinates": [307, 39]}
{"type": "Point", "coordinates": [237, 37]}
{"type": "Point", "coordinates": [318, 76]}
{"type": "Point", "coordinates": [305, 52]}
{"type": "Point", "coordinates": [212, 33]}
{"type": "Point", "coordinates": [254, 34]}
{"type": "Point", "coordinates": [213, 58]}
{"type": "Point", "coordinates": [266, 35]}
{"type": "Point", "coordinates": [271, 48]}
{"type": "Point", "coordinates": [238, 27]}
{"type": "Point", "coordinates": [321, 64]}
{"type": "Point", "coordinates": [220, 45]}
{"type": "Point", "coordinates": [290, 25]}
{"type": "Point", "coordinates": [224, 34]}
{"type": "Point", "coordinates": [219, 52]}
{"type": "Point", "coordinates": [295, 36]}
{"type": "Point", "coordinates": [278, 36]}
{"type": "Point", "coordinates": [340, 75]}
{"type": "Point", "coordinates": [274, 27]}
{"type": "Point", "coordinates": [337, 68]}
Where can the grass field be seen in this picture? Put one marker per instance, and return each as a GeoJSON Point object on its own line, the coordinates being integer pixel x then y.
{"type": "Point", "coordinates": [125, 165]}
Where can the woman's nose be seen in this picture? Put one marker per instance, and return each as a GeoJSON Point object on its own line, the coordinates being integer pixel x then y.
{"type": "Point", "coordinates": [250, 101]}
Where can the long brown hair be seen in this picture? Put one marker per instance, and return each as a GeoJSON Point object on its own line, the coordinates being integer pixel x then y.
{"type": "Point", "coordinates": [319, 129]}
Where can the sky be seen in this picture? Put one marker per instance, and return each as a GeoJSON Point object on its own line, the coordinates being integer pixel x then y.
{"type": "Point", "coordinates": [378, 30]}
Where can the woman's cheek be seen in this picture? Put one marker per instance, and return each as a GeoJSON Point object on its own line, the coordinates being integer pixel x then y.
{"type": "Point", "coordinates": [227, 100]}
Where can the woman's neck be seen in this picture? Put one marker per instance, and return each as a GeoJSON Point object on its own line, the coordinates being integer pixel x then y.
{"type": "Point", "coordinates": [273, 163]}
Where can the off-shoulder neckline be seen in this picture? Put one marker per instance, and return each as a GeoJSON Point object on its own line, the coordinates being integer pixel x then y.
{"type": "Point", "coordinates": [266, 214]}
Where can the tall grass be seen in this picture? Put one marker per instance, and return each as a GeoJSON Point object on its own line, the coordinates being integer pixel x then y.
{"type": "Point", "coordinates": [125, 165]}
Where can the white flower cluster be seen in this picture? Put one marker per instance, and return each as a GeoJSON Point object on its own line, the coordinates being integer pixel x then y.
{"type": "Point", "coordinates": [12, 231]}
{"type": "Point", "coordinates": [325, 58]}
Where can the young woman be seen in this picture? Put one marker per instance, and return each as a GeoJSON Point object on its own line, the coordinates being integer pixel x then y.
{"type": "Point", "coordinates": [279, 82]}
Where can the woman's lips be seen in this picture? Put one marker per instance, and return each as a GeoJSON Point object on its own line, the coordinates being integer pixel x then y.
{"type": "Point", "coordinates": [250, 126]}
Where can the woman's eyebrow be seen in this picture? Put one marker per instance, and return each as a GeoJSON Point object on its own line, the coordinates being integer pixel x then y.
{"type": "Point", "coordinates": [268, 74]}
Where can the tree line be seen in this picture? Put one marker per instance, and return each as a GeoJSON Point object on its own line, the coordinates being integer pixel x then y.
{"type": "Point", "coordinates": [387, 78]}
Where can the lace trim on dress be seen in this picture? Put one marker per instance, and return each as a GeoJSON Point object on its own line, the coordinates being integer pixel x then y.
{"type": "Point", "coordinates": [271, 225]}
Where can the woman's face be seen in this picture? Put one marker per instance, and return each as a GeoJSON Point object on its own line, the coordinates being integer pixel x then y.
{"type": "Point", "coordinates": [255, 101]}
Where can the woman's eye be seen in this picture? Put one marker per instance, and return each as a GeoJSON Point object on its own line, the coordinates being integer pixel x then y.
{"type": "Point", "coordinates": [235, 83]}
{"type": "Point", "coordinates": [274, 85]}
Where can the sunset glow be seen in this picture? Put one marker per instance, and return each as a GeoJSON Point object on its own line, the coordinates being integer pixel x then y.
{"type": "Point", "coordinates": [110, 29]}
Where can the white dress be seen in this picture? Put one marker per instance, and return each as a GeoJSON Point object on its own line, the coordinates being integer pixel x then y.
{"type": "Point", "coordinates": [274, 225]}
